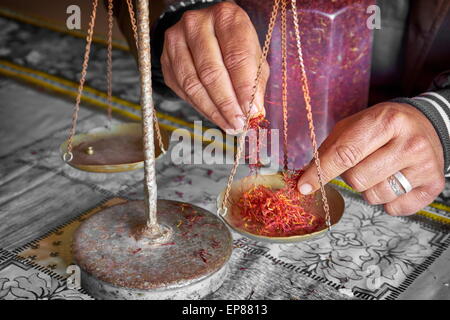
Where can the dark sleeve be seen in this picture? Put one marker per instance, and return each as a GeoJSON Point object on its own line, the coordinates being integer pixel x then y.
{"type": "Point", "coordinates": [435, 105]}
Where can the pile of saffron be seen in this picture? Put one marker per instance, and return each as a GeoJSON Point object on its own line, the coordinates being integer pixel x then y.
{"type": "Point", "coordinates": [280, 212]}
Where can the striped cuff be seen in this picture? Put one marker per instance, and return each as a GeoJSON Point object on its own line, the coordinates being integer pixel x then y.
{"type": "Point", "coordinates": [435, 105]}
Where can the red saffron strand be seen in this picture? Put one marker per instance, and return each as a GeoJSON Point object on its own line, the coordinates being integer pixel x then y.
{"type": "Point", "coordinates": [279, 212]}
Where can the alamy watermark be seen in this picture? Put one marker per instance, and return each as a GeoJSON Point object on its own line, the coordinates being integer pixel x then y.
{"type": "Point", "coordinates": [373, 281]}
{"type": "Point", "coordinates": [74, 279]}
{"type": "Point", "coordinates": [374, 20]}
{"type": "Point", "coordinates": [188, 150]}
{"type": "Point", "coordinates": [73, 21]}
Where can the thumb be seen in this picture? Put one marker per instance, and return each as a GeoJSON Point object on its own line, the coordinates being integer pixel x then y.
{"type": "Point", "coordinates": [257, 107]}
{"type": "Point", "coordinates": [258, 104]}
{"type": "Point", "coordinates": [308, 181]}
{"type": "Point", "coordinates": [261, 92]}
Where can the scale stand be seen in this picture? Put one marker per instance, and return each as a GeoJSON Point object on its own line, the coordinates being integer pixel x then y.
{"type": "Point", "coordinates": [151, 249]}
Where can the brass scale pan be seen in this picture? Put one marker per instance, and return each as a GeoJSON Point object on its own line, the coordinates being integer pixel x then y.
{"type": "Point", "coordinates": [115, 149]}
{"type": "Point", "coordinates": [275, 181]}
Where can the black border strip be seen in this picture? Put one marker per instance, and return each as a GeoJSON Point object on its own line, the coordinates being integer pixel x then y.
{"type": "Point", "coordinates": [5, 255]}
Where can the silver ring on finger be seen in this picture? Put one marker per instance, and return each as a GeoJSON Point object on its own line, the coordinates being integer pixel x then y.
{"type": "Point", "coordinates": [399, 184]}
{"type": "Point", "coordinates": [395, 186]}
{"type": "Point", "coordinates": [403, 181]}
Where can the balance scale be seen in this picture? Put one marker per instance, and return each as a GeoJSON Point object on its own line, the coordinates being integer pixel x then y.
{"type": "Point", "coordinates": [154, 249]}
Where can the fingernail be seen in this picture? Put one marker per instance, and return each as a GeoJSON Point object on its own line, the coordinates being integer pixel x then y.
{"type": "Point", "coordinates": [263, 111]}
{"type": "Point", "coordinates": [232, 132]}
{"type": "Point", "coordinates": [257, 109]}
{"type": "Point", "coordinates": [239, 123]}
{"type": "Point", "coordinates": [305, 189]}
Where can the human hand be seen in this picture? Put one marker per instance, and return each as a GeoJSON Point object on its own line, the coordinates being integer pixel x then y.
{"type": "Point", "coordinates": [210, 59]}
{"type": "Point", "coordinates": [372, 145]}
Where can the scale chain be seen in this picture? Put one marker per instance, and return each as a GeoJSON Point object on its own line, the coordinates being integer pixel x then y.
{"type": "Point", "coordinates": [284, 82]}
{"type": "Point", "coordinates": [307, 97]}
{"type": "Point", "coordinates": [109, 60]}
{"type": "Point", "coordinates": [68, 156]}
{"type": "Point", "coordinates": [241, 138]}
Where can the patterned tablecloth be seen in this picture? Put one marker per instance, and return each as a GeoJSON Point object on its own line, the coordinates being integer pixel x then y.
{"type": "Point", "coordinates": [42, 201]}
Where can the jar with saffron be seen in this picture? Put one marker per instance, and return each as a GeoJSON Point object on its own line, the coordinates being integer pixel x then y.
{"type": "Point", "coordinates": [336, 44]}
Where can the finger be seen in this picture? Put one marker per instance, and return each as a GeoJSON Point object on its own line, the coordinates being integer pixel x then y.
{"type": "Point", "coordinates": [381, 164]}
{"type": "Point", "coordinates": [415, 200]}
{"type": "Point", "coordinates": [181, 76]}
{"type": "Point", "coordinates": [345, 147]}
{"type": "Point", "coordinates": [219, 120]}
{"type": "Point", "coordinates": [169, 76]}
{"type": "Point", "coordinates": [383, 193]}
{"type": "Point", "coordinates": [171, 81]}
{"type": "Point", "coordinates": [208, 61]}
{"type": "Point", "coordinates": [241, 53]}
{"type": "Point", "coordinates": [180, 93]}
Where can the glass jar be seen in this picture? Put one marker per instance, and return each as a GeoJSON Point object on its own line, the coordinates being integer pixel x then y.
{"type": "Point", "coordinates": [336, 45]}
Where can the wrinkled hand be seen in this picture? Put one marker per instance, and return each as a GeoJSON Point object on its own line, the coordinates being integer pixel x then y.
{"type": "Point", "coordinates": [210, 59]}
{"type": "Point", "coordinates": [368, 147]}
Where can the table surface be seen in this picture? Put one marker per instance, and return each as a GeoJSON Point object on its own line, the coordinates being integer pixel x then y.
{"type": "Point", "coordinates": [42, 201]}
